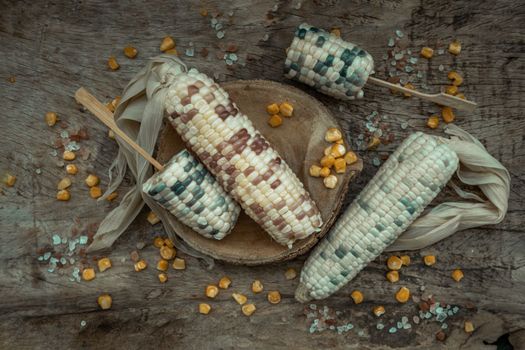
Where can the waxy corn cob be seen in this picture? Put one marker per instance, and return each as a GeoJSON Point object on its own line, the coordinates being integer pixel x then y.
{"type": "Point", "coordinates": [328, 63]}
{"type": "Point", "coordinates": [406, 183]}
{"type": "Point", "coordinates": [242, 160]}
{"type": "Point", "coordinates": [187, 190]}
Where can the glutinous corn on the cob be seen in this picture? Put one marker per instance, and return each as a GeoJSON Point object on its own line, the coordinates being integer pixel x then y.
{"type": "Point", "coordinates": [242, 160]}
{"type": "Point", "coordinates": [187, 190]}
{"type": "Point", "coordinates": [406, 183]}
{"type": "Point", "coordinates": [328, 63]}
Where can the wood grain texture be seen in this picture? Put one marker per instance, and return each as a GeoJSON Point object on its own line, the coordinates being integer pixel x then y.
{"type": "Point", "coordinates": [52, 48]}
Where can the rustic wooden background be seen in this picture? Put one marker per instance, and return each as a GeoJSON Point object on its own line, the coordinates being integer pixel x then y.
{"type": "Point", "coordinates": [53, 47]}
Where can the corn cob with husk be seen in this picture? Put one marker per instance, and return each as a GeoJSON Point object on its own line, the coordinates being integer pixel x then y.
{"type": "Point", "coordinates": [187, 190]}
{"type": "Point", "coordinates": [241, 159]}
{"type": "Point", "coordinates": [406, 183]}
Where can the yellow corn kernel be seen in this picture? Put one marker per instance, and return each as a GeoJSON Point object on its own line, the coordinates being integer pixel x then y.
{"type": "Point", "coordinates": [448, 114]}
{"type": "Point", "coordinates": [325, 171]}
{"type": "Point", "coordinates": [378, 310]}
{"type": "Point", "coordinates": [112, 106]}
{"type": "Point", "coordinates": [457, 79]}
{"type": "Point", "coordinates": [63, 195]}
{"type": "Point", "coordinates": [461, 95]}
{"type": "Point", "coordinates": [140, 265]}
{"type": "Point", "coordinates": [350, 158]}
{"type": "Point", "coordinates": [112, 63]}
{"type": "Point", "coordinates": [272, 109]}
{"type": "Point", "coordinates": [51, 118]}
{"type": "Point", "coordinates": [172, 52]}
{"type": "Point", "coordinates": [64, 183]}
{"type": "Point", "coordinates": [204, 308]}
{"type": "Point", "coordinates": [274, 297]}
{"type": "Point", "coordinates": [340, 165]}
{"type": "Point", "coordinates": [394, 262]}
{"type": "Point", "coordinates": [95, 192]}
{"type": "Point", "coordinates": [103, 264]}
{"type": "Point", "coordinates": [257, 286]}
{"type": "Point", "coordinates": [336, 32]}
{"type": "Point", "coordinates": [275, 120]}
{"type": "Point", "coordinates": [69, 155]}
{"type": "Point", "coordinates": [454, 47]}
{"type": "Point", "coordinates": [169, 243]}
{"type": "Point", "coordinates": [239, 298]}
{"type": "Point", "coordinates": [130, 52]}
{"type": "Point", "coordinates": [92, 180]}
{"type": "Point", "coordinates": [315, 170]}
{"type": "Point", "coordinates": [340, 142]}
{"type": "Point", "coordinates": [403, 294]}
{"type": "Point", "coordinates": [457, 275]}
{"type": "Point", "coordinates": [290, 273]}
{"type": "Point", "coordinates": [88, 274]}
{"type": "Point", "coordinates": [405, 259]}
{"type": "Point", "coordinates": [286, 109]}
{"type": "Point", "coordinates": [333, 135]}
{"type": "Point", "coordinates": [248, 309]}
{"type": "Point", "coordinates": [71, 169]}
{"type": "Point", "coordinates": [167, 252]}
{"type": "Point", "coordinates": [9, 180]}
{"type": "Point", "coordinates": [337, 150]}
{"type": "Point", "coordinates": [167, 44]}
{"type": "Point", "coordinates": [327, 150]}
{"type": "Point", "coordinates": [111, 134]}
{"type": "Point", "coordinates": [163, 277]}
{"type": "Point", "coordinates": [433, 122]}
{"type": "Point", "coordinates": [112, 196]}
{"type": "Point", "coordinates": [409, 86]}
{"type": "Point", "coordinates": [158, 242]}
{"type": "Point", "coordinates": [429, 260]}
{"type": "Point", "coordinates": [162, 265]}
{"type": "Point", "coordinates": [225, 282]}
{"type": "Point", "coordinates": [427, 52]}
{"type": "Point", "coordinates": [179, 264]}
{"type": "Point", "coordinates": [373, 143]}
{"type": "Point", "coordinates": [104, 301]}
{"type": "Point", "coordinates": [330, 181]}
{"type": "Point", "coordinates": [392, 276]}
{"type": "Point", "coordinates": [211, 291]}
{"type": "Point", "coordinates": [357, 296]}
{"type": "Point", "coordinates": [451, 90]}
{"type": "Point", "coordinates": [203, 12]}
{"type": "Point", "coordinates": [469, 327]}
{"type": "Point", "coordinates": [153, 218]}
{"type": "Point", "coordinates": [327, 161]}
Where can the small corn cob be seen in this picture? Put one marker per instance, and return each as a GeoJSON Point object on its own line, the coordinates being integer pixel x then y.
{"type": "Point", "coordinates": [192, 195]}
{"type": "Point", "coordinates": [328, 63]}
{"type": "Point", "coordinates": [406, 183]}
{"type": "Point", "coordinates": [242, 160]}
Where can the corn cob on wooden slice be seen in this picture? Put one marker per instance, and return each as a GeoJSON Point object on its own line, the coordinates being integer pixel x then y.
{"type": "Point", "coordinates": [187, 190]}
{"type": "Point", "coordinates": [242, 160]}
{"type": "Point", "coordinates": [328, 63]}
{"type": "Point", "coordinates": [406, 183]}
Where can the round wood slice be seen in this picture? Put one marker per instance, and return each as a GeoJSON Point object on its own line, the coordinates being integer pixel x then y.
{"type": "Point", "coordinates": [300, 142]}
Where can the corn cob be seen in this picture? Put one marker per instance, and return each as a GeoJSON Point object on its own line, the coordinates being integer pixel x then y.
{"type": "Point", "coordinates": [242, 160]}
{"type": "Point", "coordinates": [406, 183]}
{"type": "Point", "coordinates": [328, 63]}
{"type": "Point", "coordinates": [187, 190]}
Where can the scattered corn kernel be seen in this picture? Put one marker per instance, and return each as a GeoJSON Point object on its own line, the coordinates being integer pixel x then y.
{"type": "Point", "coordinates": [51, 118]}
{"type": "Point", "coordinates": [111, 134]}
{"type": "Point", "coordinates": [448, 114]}
{"type": "Point", "coordinates": [325, 171]}
{"type": "Point", "coordinates": [130, 52]}
{"type": "Point", "coordinates": [92, 180]}
{"type": "Point", "coordinates": [71, 169]}
{"type": "Point", "coordinates": [103, 264]}
{"type": "Point", "coordinates": [429, 260]}
{"type": "Point", "coordinates": [169, 243]}
{"type": "Point", "coordinates": [9, 180]}
{"type": "Point", "coordinates": [63, 195]}
{"type": "Point", "coordinates": [336, 32]}
{"type": "Point", "coordinates": [333, 134]}
{"type": "Point", "coordinates": [95, 192]}
{"type": "Point", "coordinates": [469, 327]}
{"type": "Point", "coordinates": [337, 150]}
{"type": "Point", "coordinates": [225, 282]}
{"type": "Point", "coordinates": [433, 122]}
{"type": "Point", "coordinates": [405, 259]}
{"type": "Point", "coordinates": [394, 262]}
{"type": "Point", "coordinates": [112, 106]}
{"type": "Point", "coordinates": [167, 44]}
{"type": "Point", "coordinates": [257, 286]}
{"type": "Point", "coordinates": [373, 143]}
{"type": "Point", "coordinates": [172, 52]}
{"type": "Point", "coordinates": [327, 151]}
{"type": "Point", "coordinates": [104, 301]}
{"type": "Point", "coordinates": [451, 90]}
{"type": "Point", "coordinates": [64, 183]}
{"type": "Point", "coordinates": [272, 109]}
{"type": "Point", "coordinates": [330, 181]}
{"type": "Point", "coordinates": [350, 158]}
{"type": "Point", "coordinates": [315, 170]}
{"type": "Point", "coordinates": [461, 95]}
{"type": "Point", "coordinates": [140, 265]}
{"type": "Point", "coordinates": [378, 310]}
{"type": "Point", "coordinates": [69, 155]}
{"type": "Point", "coordinates": [162, 265]}
{"type": "Point", "coordinates": [275, 120]}
{"type": "Point", "coordinates": [403, 294]}
{"type": "Point", "coordinates": [167, 252]}
{"type": "Point", "coordinates": [454, 47]}
{"type": "Point", "coordinates": [112, 196]}
{"type": "Point", "coordinates": [163, 277]}
{"type": "Point", "coordinates": [357, 296]}
{"type": "Point", "coordinates": [158, 242]}
{"type": "Point", "coordinates": [427, 52]}
{"type": "Point", "coordinates": [239, 298]}
{"type": "Point", "coordinates": [204, 308]}
{"type": "Point", "coordinates": [290, 273]}
{"type": "Point", "coordinates": [179, 264]}
{"type": "Point", "coordinates": [392, 276]}
{"type": "Point", "coordinates": [457, 79]}
{"type": "Point", "coordinates": [457, 275]}
{"type": "Point", "coordinates": [327, 161]}
{"type": "Point", "coordinates": [409, 86]}
{"type": "Point", "coordinates": [274, 297]}
{"type": "Point", "coordinates": [211, 291]}
{"type": "Point", "coordinates": [286, 109]}
{"type": "Point", "coordinates": [112, 63]}
{"type": "Point", "coordinates": [248, 309]}
{"type": "Point", "coordinates": [88, 274]}
{"type": "Point", "coordinates": [153, 218]}
{"type": "Point", "coordinates": [340, 165]}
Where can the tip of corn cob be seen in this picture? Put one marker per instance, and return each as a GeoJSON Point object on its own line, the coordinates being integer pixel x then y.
{"type": "Point", "coordinates": [302, 294]}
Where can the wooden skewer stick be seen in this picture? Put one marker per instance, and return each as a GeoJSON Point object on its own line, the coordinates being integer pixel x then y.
{"type": "Point", "coordinates": [441, 98]}
{"type": "Point", "coordinates": [105, 116]}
